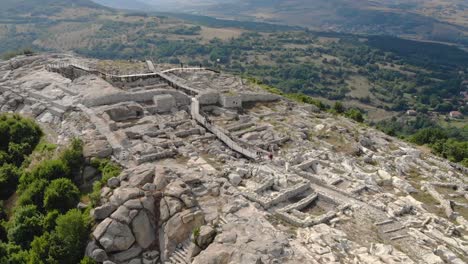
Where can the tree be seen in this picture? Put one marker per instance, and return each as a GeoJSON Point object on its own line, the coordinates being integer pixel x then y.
{"type": "Point", "coordinates": [9, 176]}
{"type": "Point", "coordinates": [25, 225]}
{"type": "Point", "coordinates": [70, 237]}
{"type": "Point", "coordinates": [19, 136]}
{"type": "Point", "coordinates": [51, 170]}
{"type": "Point", "coordinates": [40, 250]}
{"type": "Point", "coordinates": [34, 193]}
{"type": "Point", "coordinates": [428, 136]}
{"type": "Point", "coordinates": [65, 244]}
{"type": "Point", "coordinates": [61, 195]}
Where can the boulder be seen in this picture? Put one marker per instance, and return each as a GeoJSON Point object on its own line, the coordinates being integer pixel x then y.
{"type": "Point", "coordinates": [216, 254]}
{"type": "Point", "coordinates": [177, 188]}
{"type": "Point", "coordinates": [117, 237]}
{"type": "Point", "coordinates": [101, 228]}
{"type": "Point", "coordinates": [134, 204]}
{"type": "Point", "coordinates": [178, 228]}
{"type": "Point", "coordinates": [135, 261]}
{"type": "Point", "coordinates": [113, 182]}
{"type": "Point", "coordinates": [141, 175]}
{"type": "Point", "coordinates": [89, 173]}
{"type": "Point", "coordinates": [174, 205]}
{"type": "Point", "coordinates": [126, 255]}
{"type": "Point", "coordinates": [385, 176]}
{"type": "Point", "coordinates": [160, 179]}
{"type": "Point", "coordinates": [151, 255]}
{"type": "Point", "coordinates": [121, 195]}
{"type": "Point", "coordinates": [143, 230]}
{"type": "Point", "coordinates": [99, 255]}
{"type": "Point", "coordinates": [189, 200]}
{"type": "Point", "coordinates": [164, 212]}
{"type": "Point", "coordinates": [206, 236]}
{"type": "Point", "coordinates": [123, 214]}
{"type": "Point", "coordinates": [149, 187]}
{"type": "Point", "coordinates": [103, 211]}
{"type": "Point", "coordinates": [97, 149]}
{"type": "Point", "coordinates": [148, 203]}
{"type": "Point", "coordinates": [235, 179]}
{"type": "Point", "coordinates": [242, 172]}
{"type": "Point", "coordinates": [403, 185]}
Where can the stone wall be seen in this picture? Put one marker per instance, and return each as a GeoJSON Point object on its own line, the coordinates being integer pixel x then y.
{"type": "Point", "coordinates": [164, 102]}
{"type": "Point", "coordinates": [145, 96]}
{"type": "Point", "coordinates": [208, 98]}
{"type": "Point", "coordinates": [256, 97]}
{"type": "Point", "coordinates": [231, 101]}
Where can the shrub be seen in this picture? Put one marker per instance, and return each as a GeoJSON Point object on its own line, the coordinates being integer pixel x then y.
{"type": "Point", "coordinates": [61, 195]}
{"type": "Point", "coordinates": [65, 244]}
{"type": "Point", "coordinates": [51, 170]}
{"type": "Point", "coordinates": [19, 137]}
{"type": "Point", "coordinates": [108, 170]}
{"type": "Point", "coordinates": [9, 177]}
{"type": "Point", "coordinates": [428, 136]}
{"type": "Point", "coordinates": [355, 114]}
{"type": "Point", "coordinates": [87, 260]}
{"type": "Point", "coordinates": [73, 156]}
{"type": "Point", "coordinates": [13, 254]}
{"type": "Point", "coordinates": [34, 194]}
{"type": "Point", "coordinates": [49, 220]}
{"type": "Point", "coordinates": [338, 107]}
{"type": "Point", "coordinates": [25, 225]}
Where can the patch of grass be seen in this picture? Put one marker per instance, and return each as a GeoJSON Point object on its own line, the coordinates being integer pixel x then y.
{"type": "Point", "coordinates": [108, 170]}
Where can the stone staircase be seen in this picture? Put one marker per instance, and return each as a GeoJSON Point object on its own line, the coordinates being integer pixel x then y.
{"type": "Point", "coordinates": [180, 255]}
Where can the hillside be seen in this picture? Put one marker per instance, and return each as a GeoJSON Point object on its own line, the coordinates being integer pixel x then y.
{"type": "Point", "coordinates": [444, 21]}
{"type": "Point", "coordinates": [214, 170]}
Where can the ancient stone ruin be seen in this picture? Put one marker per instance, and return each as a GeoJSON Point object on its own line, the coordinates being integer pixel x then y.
{"type": "Point", "coordinates": [216, 170]}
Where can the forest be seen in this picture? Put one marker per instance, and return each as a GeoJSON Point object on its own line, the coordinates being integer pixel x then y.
{"type": "Point", "coordinates": [39, 194]}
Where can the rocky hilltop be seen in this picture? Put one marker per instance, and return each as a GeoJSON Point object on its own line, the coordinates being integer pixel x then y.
{"type": "Point", "coordinates": [218, 171]}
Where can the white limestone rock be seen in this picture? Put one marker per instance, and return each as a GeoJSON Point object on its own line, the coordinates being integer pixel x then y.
{"type": "Point", "coordinates": [235, 179]}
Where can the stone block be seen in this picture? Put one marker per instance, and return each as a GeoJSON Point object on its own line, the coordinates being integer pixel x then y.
{"type": "Point", "coordinates": [164, 102]}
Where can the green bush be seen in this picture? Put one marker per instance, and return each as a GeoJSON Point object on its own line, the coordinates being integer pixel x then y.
{"type": "Point", "coordinates": [13, 254]}
{"type": "Point", "coordinates": [428, 136]}
{"type": "Point", "coordinates": [65, 244]}
{"type": "Point", "coordinates": [108, 170]}
{"type": "Point", "coordinates": [50, 219]}
{"type": "Point", "coordinates": [51, 170]}
{"type": "Point", "coordinates": [338, 108]}
{"type": "Point", "coordinates": [9, 177]}
{"type": "Point", "coordinates": [61, 195]}
{"type": "Point", "coordinates": [25, 224]}
{"type": "Point", "coordinates": [34, 194]}
{"type": "Point", "coordinates": [73, 156]}
{"type": "Point", "coordinates": [11, 54]}
{"type": "Point", "coordinates": [87, 260]}
{"type": "Point", "coordinates": [19, 137]}
{"type": "Point", "coordinates": [355, 114]}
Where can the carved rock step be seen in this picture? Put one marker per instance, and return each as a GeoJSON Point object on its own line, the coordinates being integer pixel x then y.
{"type": "Point", "coordinates": [180, 255]}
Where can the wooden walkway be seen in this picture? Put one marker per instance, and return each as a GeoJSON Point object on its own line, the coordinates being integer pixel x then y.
{"type": "Point", "coordinates": [195, 112]}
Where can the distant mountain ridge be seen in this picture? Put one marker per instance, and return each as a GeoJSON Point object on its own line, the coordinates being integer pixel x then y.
{"type": "Point", "coordinates": [434, 20]}
{"type": "Point", "coordinates": [42, 7]}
